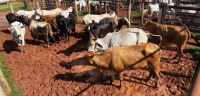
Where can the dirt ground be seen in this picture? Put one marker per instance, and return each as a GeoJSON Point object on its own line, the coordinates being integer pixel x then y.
{"type": "Point", "coordinates": [59, 70]}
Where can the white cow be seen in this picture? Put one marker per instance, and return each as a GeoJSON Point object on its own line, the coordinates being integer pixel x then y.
{"type": "Point", "coordinates": [89, 18]}
{"type": "Point", "coordinates": [17, 30]}
{"type": "Point", "coordinates": [52, 13]}
{"type": "Point", "coordinates": [125, 37]}
{"type": "Point", "coordinates": [26, 13]}
{"type": "Point", "coordinates": [153, 8]}
{"type": "Point", "coordinates": [81, 4]}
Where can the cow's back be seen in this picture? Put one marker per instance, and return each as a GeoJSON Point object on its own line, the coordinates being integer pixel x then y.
{"type": "Point", "coordinates": [124, 57]}
{"type": "Point", "coordinates": [172, 34]}
{"type": "Point", "coordinates": [169, 33]}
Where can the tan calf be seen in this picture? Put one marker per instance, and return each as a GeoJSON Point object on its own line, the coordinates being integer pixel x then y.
{"type": "Point", "coordinates": [170, 34]}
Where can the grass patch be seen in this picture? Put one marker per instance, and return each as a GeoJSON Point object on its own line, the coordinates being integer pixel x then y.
{"type": "Point", "coordinates": [16, 5]}
{"type": "Point", "coordinates": [195, 52]}
{"type": "Point", "coordinates": [81, 13]}
{"type": "Point", "coordinates": [137, 24]}
{"type": "Point", "coordinates": [15, 90]}
{"type": "Point", "coordinates": [197, 35]}
{"type": "Point", "coordinates": [137, 14]}
{"type": "Point", "coordinates": [80, 21]}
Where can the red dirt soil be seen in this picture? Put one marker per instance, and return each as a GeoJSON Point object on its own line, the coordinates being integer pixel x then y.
{"type": "Point", "coordinates": [59, 70]}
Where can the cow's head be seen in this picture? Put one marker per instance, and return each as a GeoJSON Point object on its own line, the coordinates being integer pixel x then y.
{"type": "Point", "coordinates": [95, 45]}
{"type": "Point", "coordinates": [89, 58]}
{"type": "Point", "coordinates": [91, 43]}
{"type": "Point", "coordinates": [37, 17]}
{"type": "Point", "coordinates": [147, 23]}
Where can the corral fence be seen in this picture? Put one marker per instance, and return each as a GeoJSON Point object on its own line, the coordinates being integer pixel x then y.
{"type": "Point", "coordinates": [190, 21]}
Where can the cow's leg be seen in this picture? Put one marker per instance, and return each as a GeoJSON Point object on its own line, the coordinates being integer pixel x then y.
{"type": "Point", "coordinates": [47, 39]}
{"type": "Point", "coordinates": [67, 36]}
{"type": "Point", "coordinates": [34, 37]}
{"type": "Point", "coordinates": [53, 39]}
{"type": "Point", "coordinates": [23, 48]}
{"type": "Point", "coordinates": [179, 53]}
{"type": "Point", "coordinates": [111, 79]}
{"type": "Point", "coordinates": [73, 29]}
{"type": "Point", "coordinates": [154, 66]}
{"type": "Point", "coordinates": [120, 77]}
{"type": "Point", "coordinates": [150, 74]}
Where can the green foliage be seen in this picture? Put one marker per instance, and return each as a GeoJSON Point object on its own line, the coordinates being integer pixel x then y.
{"type": "Point", "coordinates": [15, 91]}
{"type": "Point", "coordinates": [197, 35]}
{"type": "Point", "coordinates": [195, 52]}
{"type": "Point", "coordinates": [137, 14]}
{"type": "Point", "coordinates": [137, 24]}
{"type": "Point", "coordinates": [81, 13]}
{"type": "Point", "coordinates": [16, 5]}
{"type": "Point", "coordinates": [80, 21]}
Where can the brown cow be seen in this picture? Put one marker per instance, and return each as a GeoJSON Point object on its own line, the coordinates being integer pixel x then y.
{"type": "Point", "coordinates": [170, 34]}
{"type": "Point", "coordinates": [118, 59]}
{"type": "Point", "coordinates": [54, 25]}
{"type": "Point", "coordinates": [52, 22]}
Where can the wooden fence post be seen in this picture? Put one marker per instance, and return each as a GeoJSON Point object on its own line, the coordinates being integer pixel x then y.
{"type": "Point", "coordinates": [88, 7]}
{"type": "Point", "coordinates": [160, 13]}
{"type": "Point", "coordinates": [64, 1]}
{"type": "Point", "coordinates": [129, 10]}
{"type": "Point", "coordinates": [4, 84]}
{"type": "Point", "coordinates": [117, 7]}
{"type": "Point", "coordinates": [11, 7]}
{"type": "Point", "coordinates": [142, 17]}
{"type": "Point", "coordinates": [37, 4]}
{"type": "Point", "coordinates": [76, 10]}
{"type": "Point", "coordinates": [105, 7]}
{"type": "Point", "coordinates": [57, 3]}
{"type": "Point", "coordinates": [100, 8]}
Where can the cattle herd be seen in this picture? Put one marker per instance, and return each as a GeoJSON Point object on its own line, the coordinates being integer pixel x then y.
{"type": "Point", "coordinates": [110, 49]}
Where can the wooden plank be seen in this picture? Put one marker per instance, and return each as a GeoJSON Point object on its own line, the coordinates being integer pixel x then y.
{"type": "Point", "coordinates": [195, 89]}
{"type": "Point", "coordinates": [184, 7]}
{"type": "Point", "coordinates": [185, 2]}
{"type": "Point", "coordinates": [2, 93]}
{"type": "Point", "coordinates": [10, 5]}
{"type": "Point", "coordinates": [190, 15]}
{"type": "Point", "coordinates": [4, 84]}
{"type": "Point", "coordinates": [142, 17]}
{"type": "Point", "coordinates": [129, 10]}
{"type": "Point", "coordinates": [193, 36]}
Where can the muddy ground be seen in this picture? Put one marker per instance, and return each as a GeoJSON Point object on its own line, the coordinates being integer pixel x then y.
{"type": "Point", "coordinates": [59, 70]}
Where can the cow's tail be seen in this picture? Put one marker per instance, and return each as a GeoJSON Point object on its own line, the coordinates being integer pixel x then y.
{"type": "Point", "coordinates": [158, 36]}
